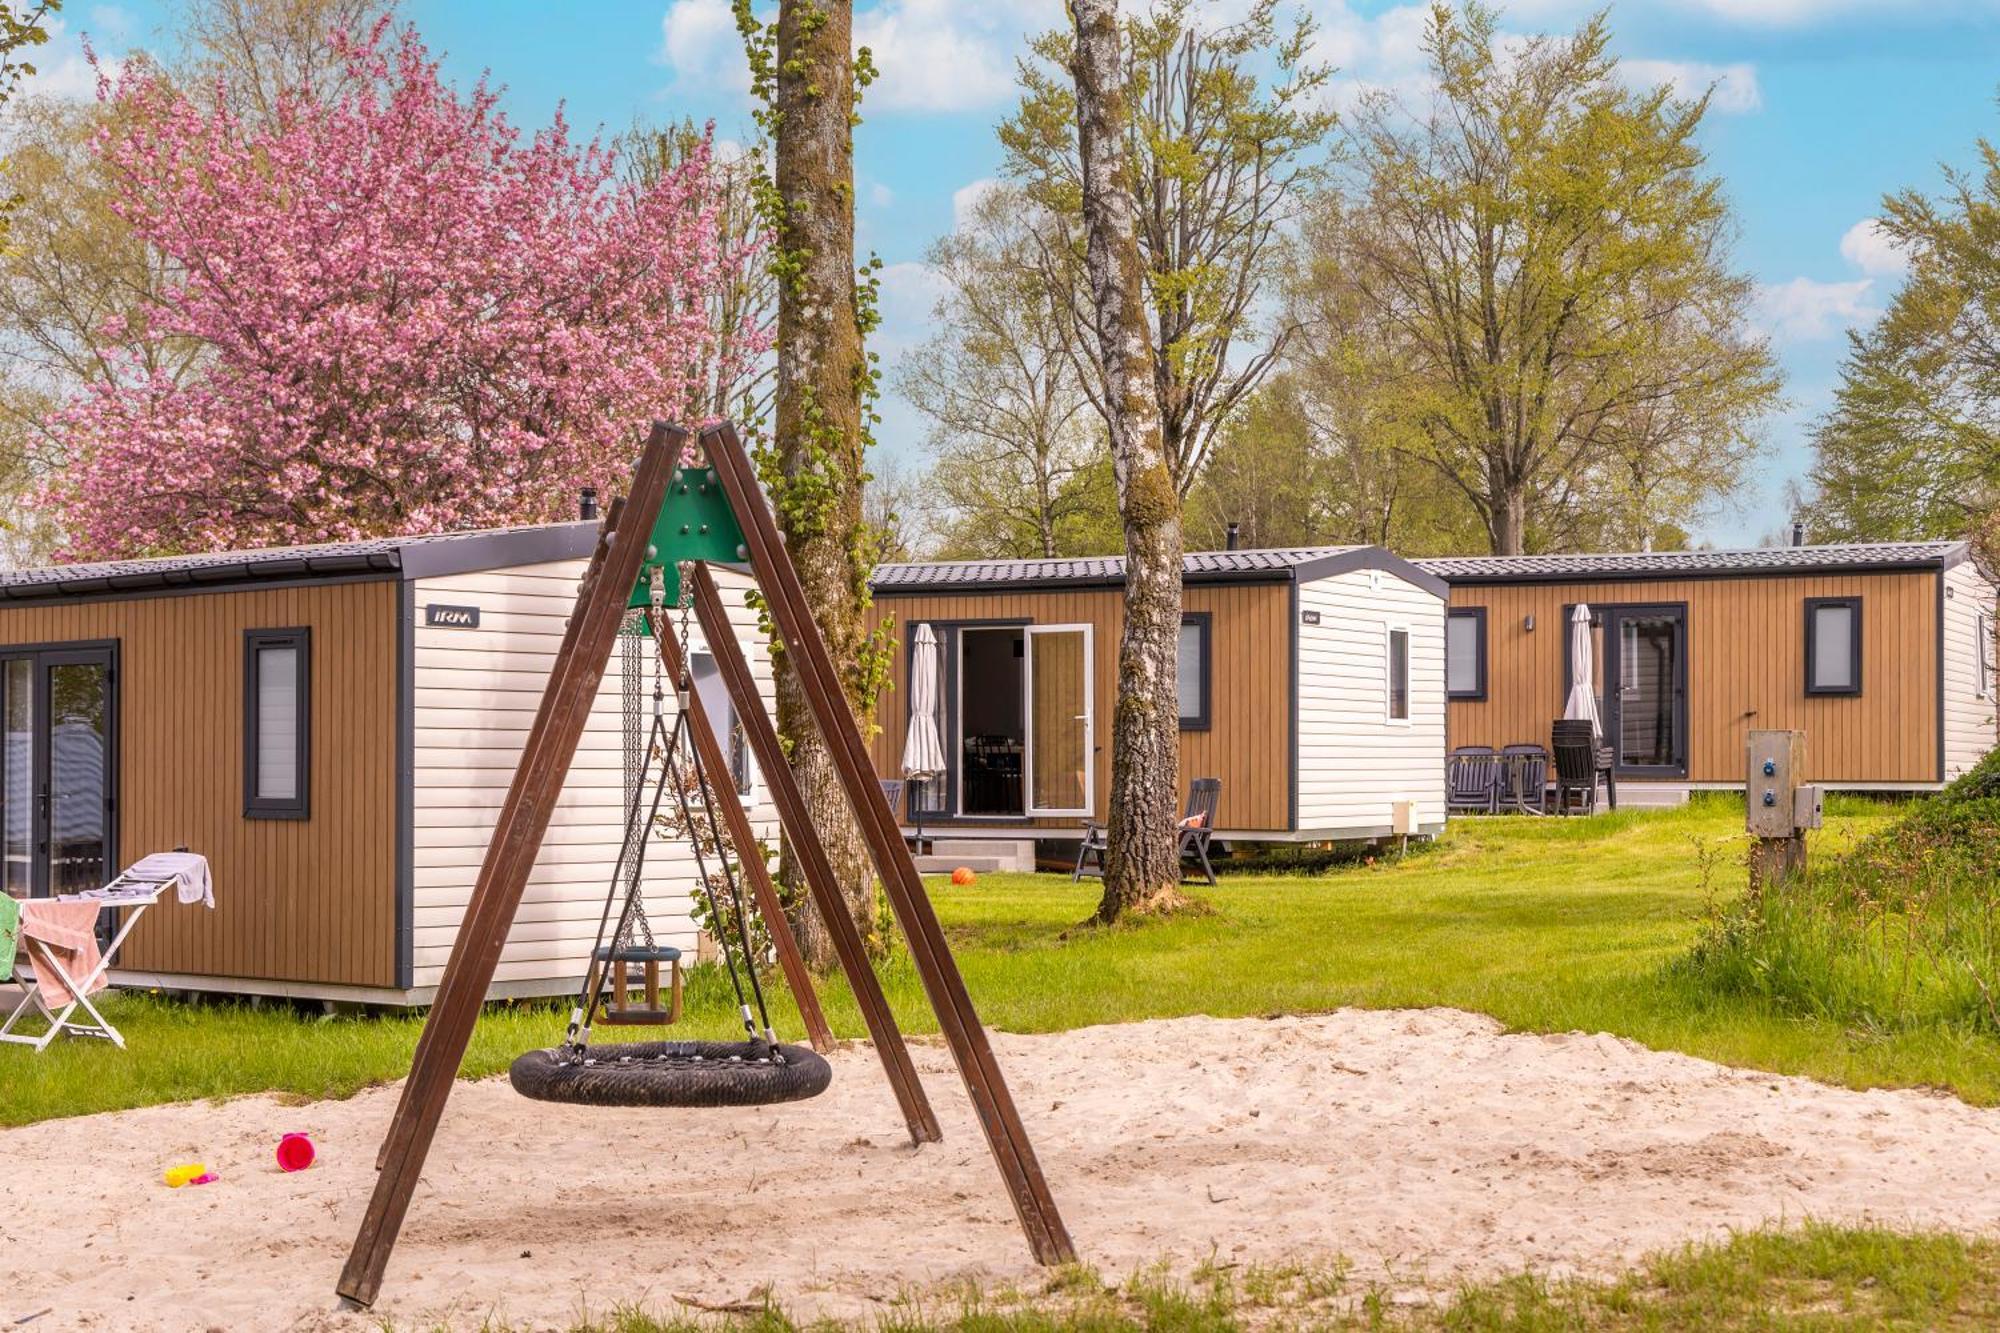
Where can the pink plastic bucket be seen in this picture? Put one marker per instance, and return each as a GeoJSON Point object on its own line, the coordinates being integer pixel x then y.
{"type": "Point", "coordinates": [295, 1152]}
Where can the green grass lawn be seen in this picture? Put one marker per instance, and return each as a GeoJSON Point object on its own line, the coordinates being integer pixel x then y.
{"type": "Point", "coordinates": [1811, 1278]}
{"type": "Point", "coordinates": [1548, 925]}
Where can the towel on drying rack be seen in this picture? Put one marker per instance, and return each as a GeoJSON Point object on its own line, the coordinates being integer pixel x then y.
{"type": "Point", "coordinates": [188, 870]}
{"type": "Point", "coordinates": [69, 931]}
{"type": "Point", "coordinates": [10, 933]}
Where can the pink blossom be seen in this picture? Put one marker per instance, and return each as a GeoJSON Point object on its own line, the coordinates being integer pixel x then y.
{"type": "Point", "coordinates": [406, 317]}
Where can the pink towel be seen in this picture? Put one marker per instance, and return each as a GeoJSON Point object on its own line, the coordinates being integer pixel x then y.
{"type": "Point", "coordinates": [69, 930]}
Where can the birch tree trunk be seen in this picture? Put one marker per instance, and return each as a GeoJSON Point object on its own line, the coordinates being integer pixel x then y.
{"type": "Point", "coordinates": [1141, 863]}
{"type": "Point", "coordinates": [817, 408]}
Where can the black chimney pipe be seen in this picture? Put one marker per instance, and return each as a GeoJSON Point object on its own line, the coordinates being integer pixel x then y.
{"type": "Point", "coordinates": [1798, 533]}
{"type": "Point", "coordinates": [586, 503]}
{"type": "Point", "coordinates": [1231, 540]}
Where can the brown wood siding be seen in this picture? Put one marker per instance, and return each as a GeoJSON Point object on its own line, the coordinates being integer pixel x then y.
{"type": "Point", "coordinates": [1746, 669]}
{"type": "Point", "coordinates": [310, 900]}
{"type": "Point", "coordinates": [1247, 743]}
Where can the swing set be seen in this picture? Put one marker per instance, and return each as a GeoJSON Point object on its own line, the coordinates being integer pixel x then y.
{"type": "Point", "coordinates": [687, 515]}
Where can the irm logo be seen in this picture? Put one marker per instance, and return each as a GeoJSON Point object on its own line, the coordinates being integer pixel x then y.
{"type": "Point", "coordinates": [451, 617]}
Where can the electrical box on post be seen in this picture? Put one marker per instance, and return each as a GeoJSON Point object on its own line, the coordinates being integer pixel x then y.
{"type": "Point", "coordinates": [1777, 762]}
{"type": "Point", "coordinates": [1809, 806]}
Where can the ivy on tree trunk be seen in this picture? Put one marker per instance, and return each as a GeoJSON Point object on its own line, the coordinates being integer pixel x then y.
{"type": "Point", "coordinates": [808, 80]}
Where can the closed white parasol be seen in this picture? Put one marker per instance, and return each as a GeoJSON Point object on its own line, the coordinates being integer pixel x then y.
{"type": "Point", "coordinates": [923, 752]}
{"type": "Point", "coordinates": [1582, 698]}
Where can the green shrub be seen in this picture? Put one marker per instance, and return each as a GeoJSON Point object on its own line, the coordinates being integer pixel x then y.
{"type": "Point", "coordinates": [1901, 931]}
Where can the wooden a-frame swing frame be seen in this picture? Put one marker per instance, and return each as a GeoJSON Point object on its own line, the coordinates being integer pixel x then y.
{"type": "Point", "coordinates": [616, 566]}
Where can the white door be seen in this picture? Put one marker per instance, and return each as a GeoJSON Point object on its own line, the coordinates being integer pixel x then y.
{"type": "Point", "coordinates": [1060, 749]}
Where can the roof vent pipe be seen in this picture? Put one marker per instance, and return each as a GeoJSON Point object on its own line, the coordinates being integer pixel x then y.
{"type": "Point", "coordinates": [1798, 533]}
{"type": "Point", "coordinates": [586, 504]}
{"type": "Point", "coordinates": [1231, 539]}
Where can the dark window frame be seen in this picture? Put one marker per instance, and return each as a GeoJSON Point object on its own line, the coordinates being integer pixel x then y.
{"type": "Point", "coordinates": [1205, 719]}
{"type": "Point", "coordinates": [1390, 716]}
{"type": "Point", "coordinates": [1813, 606]}
{"type": "Point", "coordinates": [1476, 614]}
{"type": "Point", "coordinates": [299, 804]}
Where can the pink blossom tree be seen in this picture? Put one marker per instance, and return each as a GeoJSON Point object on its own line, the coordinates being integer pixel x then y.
{"type": "Point", "coordinates": [409, 318]}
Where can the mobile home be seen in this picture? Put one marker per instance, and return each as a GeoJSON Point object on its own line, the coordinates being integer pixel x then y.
{"type": "Point", "coordinates": [1881, 653]}
{"type": "Point", "coordinates": [1311, 683]}
{"type": "Point", "coordinates": [334, 728]}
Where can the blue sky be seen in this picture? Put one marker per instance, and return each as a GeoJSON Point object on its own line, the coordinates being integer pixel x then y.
{"type": "Point", "coordinates": [1821, 107]}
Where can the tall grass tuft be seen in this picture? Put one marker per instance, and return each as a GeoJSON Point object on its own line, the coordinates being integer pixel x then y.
{"type": "Point", "coordinates": [1901, 931]}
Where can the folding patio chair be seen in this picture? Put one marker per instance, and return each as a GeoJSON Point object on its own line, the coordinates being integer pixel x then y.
{"type": "Point", "coordinates": [1472, 780]}
{"type": "Point", "coordinates": [1197, 828]}
{"type": "Point", "coordinates": [1525, 778]}
{"type": "Point", "coordinates": [135, 889]}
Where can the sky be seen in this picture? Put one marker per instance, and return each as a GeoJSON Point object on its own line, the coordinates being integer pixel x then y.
{"type": "Point", "coordinates": [1820, 107]}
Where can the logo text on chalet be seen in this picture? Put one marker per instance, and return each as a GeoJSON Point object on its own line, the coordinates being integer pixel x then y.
{"type": "Point", "coordinates": [451, 617]}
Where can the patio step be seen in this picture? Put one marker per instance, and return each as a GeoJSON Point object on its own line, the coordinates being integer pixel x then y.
{"type": "Point", "coordinates": [980, 853]}
{"type": "Point", "coordinates": [944, 865]}
{"type": "Point", "coordinates": [1651, 795]}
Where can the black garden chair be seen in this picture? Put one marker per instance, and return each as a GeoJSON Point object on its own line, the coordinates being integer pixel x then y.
{"type": "Point", "coordinates": [1579, 763]}
{"type": "Point", "coordinates": [1472, 780]}
{"type": "Point", "coordinates": [1524, 778]}
{"type": "Point", "coordinates": [1197, 829]}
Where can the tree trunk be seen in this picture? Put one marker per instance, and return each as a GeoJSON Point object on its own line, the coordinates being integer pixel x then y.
{"type": "Point", "coordinates": [1141, 863]}
{"type": "Point", "coordinates": [1509, 528]}
{"type": "Point", "coordinates": [818, 417]}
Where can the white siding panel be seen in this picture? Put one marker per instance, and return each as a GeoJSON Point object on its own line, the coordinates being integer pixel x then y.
{"type": "Point", "coordinates": [1354, 762]}
{"type": "Point", "coordinates": [1969, 705]}
{"type": "Point", "coordinates": [475, 697]}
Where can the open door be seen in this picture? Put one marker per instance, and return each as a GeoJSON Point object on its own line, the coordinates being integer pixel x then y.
{"type": "Point", "coordinates": [1059, 720]}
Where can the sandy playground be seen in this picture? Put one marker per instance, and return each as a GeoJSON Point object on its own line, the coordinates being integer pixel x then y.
{"type": "Point", "coordinates": [1412, 1142]}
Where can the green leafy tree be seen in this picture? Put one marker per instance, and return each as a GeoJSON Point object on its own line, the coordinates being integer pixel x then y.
{"type": "Point", "coordinates": [1220, 162]}
{"type": "Point", "coordinates": [1911, 447]}
{"type": "Point", "coordinates": [1013, 437]}
{"type": "Point", "coordinates": [1541, 296]}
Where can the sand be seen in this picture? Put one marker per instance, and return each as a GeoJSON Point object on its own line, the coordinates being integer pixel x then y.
{"type": "Point", "coordinates": [1419, 1144]}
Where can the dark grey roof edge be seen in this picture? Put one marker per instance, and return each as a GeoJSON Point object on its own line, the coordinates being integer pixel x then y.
{"type": "Point", "coordinates": [414, 557]}
{"type": "Point", "coordinates": [1069, 582]}
{"type": "Point", "coordinates": [1300, 570]}
{"type": "Point", "coordinates": [1946, 555]}
{"type": "Point", "coordinates": [1373, 557]}
{"type": "Point", "coordinates": [435, 557]}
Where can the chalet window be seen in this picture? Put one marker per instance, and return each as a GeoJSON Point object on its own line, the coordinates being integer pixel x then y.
{"type": "Point", "coordinates": [1833, 645]}
{"type": "Point", "coordinates": [1465, 653]}
{"type": "Point", "coordinates": [1193, 670]}
{"type": "Point", "coordinates": [277, 723]}
{"type": "Point", "coordinates": [1982, 647]}
{"type": "Point", "coordinates": [1399, 674]}
{"type": "Point", "coordinates": [723, 723]}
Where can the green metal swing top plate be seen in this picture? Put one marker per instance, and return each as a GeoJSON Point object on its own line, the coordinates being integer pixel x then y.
{"type": "Point", "coordinates": [695, 523]}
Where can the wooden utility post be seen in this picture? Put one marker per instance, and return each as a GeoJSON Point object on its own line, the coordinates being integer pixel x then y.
{"type": "Point", "coordinates": [1780, 807]}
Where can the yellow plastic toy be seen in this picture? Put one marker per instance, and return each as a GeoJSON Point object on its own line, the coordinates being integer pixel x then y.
{"type": "Point", "coordinates": [194, 1173]}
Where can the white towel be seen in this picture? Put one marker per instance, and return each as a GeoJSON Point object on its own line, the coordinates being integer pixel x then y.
{"type": "Point", "coordinates": [188, 869]}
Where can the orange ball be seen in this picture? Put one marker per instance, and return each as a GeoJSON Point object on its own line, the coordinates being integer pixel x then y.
{"type": "Point", "coordinates": [963, 875]}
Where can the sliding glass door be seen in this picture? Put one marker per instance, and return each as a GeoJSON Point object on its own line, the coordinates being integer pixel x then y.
{"type": "Point", "coordinates": [58, 795]}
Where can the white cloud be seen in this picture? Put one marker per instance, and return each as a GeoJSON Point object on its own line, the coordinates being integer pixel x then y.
{"type": "Point", "coordinates": [938, 55]}
{"type": "Point", "coordinates": [880, 195]}
{"type": "Point", "coordinates": [966, 198]}
{"type": "Point", "coordinates": [909, 293]}
{"type": "Point", "coordinates": [61, 67]}
{"type": "Point", "coordinates": [1779, 13]}
{"type": "Point", "coordinates": [1806, 310]}
{"type": "Point", "coordinates": [698, 40]}
{"type": "Point", "coordinates": [1872, 250]}
{"type": "Point", "coordinates": [1735, 86]}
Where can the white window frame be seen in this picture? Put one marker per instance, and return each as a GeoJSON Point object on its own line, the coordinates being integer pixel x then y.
{"type": "Point", "coordinates": [1089, 720]}
{"type": "Point", "coordinates": [1983, 681]}
{"type": "Point", "coordinates": [1389, 631]}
